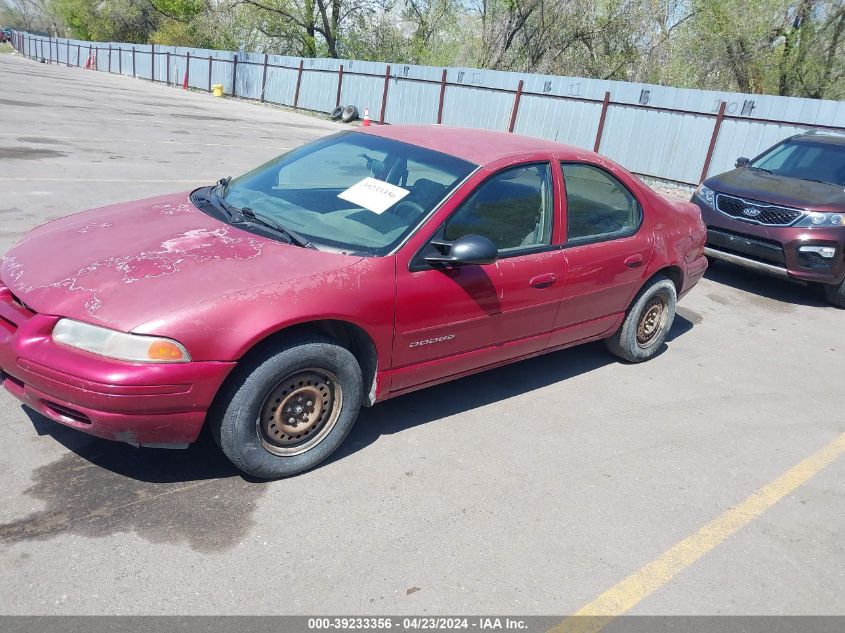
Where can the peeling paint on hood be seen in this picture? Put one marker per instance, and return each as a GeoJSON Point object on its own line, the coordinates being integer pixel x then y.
{"type": "Point", "coordinates": [128, 264]}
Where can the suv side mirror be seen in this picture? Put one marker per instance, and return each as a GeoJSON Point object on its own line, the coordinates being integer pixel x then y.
{"type": "Point", "coordinates": [469, 249]}
{"type": "Point", "coordinates": [742, 161]}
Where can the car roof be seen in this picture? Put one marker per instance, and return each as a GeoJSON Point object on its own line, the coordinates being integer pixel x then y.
{"type": "Point", "coordinates": [474, 145]}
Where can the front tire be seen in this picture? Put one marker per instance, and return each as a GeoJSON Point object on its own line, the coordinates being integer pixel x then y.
{"type": "Point", "coordinates": [835, 294]}
{"type": "Point", "coordinates": [647, 323]}
{"type": "Point", "coordinates": [288, 408]}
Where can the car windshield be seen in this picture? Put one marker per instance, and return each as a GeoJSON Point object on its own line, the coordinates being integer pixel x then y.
{"type": "Point", "coordinates": [807, 160]}
{"type": "Point", "coordinates": [352, 191]}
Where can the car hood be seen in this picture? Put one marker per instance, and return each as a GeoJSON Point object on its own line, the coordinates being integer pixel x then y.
{"type": "Point", "coordinates": [790, 192]}
{"type": "Point", "coordinates": [125, 265]}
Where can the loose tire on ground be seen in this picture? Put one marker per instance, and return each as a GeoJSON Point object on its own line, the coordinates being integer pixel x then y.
{"type": "Point", "coordinates": [647, 322]}
{"type": "Point", "coordinates": [835, 294]}
{"type": "Point", "coordinates": [307, 383]}
{"type": "Point", "coordinates": [336, 113]}
{"type": "Point", "coordinates": [350, 113]}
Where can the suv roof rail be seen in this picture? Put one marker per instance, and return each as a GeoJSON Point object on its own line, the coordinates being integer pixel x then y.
{"type": "Point", "coordinates": [821, 132]}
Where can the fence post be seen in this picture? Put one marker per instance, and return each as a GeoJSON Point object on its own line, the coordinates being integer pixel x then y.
{"type": "Point", "coordinates": [515, 109]}
{"type": "Point", "coordinates": [49, 49]}
{"type": "Point", "coordinates": [119, 60]}
{"type": "Point", "coordinates": [384, 95]}
{"type": "Point", "coordinates": [209, 72]}
{"type": "Point", "coordinates": [339, 86]}
{"type": "Point", "coordinates": [133, 62]}
{"type": "Point", "coordinates": [264, 77]}
{"type": "Point", "coordinates": [713, 138]}
{"type": "Point", "coordinates": [602, 117]}
{"type": "Point", "coordinates": [442, 95]}
{"type": "Point", "coordinates": [235, 75]}
{"type": "Point", "coordinates": [167, 67]}
{"type": "Point", "coordinates": [298, 83]}
{"type": "Point", "coordinates": [90, 67]}
{"type": "Point", "coordinates": [152, 62]}
{"type": "Point", "coordinates": [109, 57]}
{"type": "Point", "coordinates": [78, 56]}
{"type": "Point", "coordinates": [187, 70]}
{"type": "Point", "coordinates": [68, 53]}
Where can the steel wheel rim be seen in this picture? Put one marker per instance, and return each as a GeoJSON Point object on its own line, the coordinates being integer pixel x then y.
{"type": "Point", "coordinates": [652, 321]}
{"type": "Point", "coordinates": [299, 412]}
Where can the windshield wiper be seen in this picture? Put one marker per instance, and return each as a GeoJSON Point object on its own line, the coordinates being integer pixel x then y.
{"type": "Point", "coordinates": [293, 236]}
{"type": "Point", "coordinates": [765, 171]}
{"type": "Point", "coordinates": [824, 182]}
{"type": "Point", "coordinates": [233, 214]}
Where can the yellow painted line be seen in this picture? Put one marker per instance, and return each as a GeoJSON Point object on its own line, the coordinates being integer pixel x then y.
{"type": "Point", "coordinates": [20, 179]}
{"type": "Point", "coordinates": [622, 597]}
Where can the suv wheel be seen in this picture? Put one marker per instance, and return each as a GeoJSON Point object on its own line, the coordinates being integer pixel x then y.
{"type": "Point", "coordinates": [835, 294]}
{"type": "Point", "coordinates": [286, 410]}
{"type": "Point", "coordinates": [647, 323]}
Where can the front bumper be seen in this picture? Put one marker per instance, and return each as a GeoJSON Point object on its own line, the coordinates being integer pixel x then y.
{"type": "Point", "coordinates": [774, 250]}
{"type": "Point", "coordinates": [139, 403]}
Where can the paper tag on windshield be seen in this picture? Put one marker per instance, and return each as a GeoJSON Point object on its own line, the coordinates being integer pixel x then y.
{"type": "Point", "coordinates": [374, 195]}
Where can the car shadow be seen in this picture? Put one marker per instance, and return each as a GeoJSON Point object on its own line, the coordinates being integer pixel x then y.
{"type": "Point", "coordinates": [98, 488]}
{"type": "Point", "coordinates": [464, 394]}
{"type": "Point", "coordinates": [781, 290]}
{"type": "Point", "coordinates": [202, 460]}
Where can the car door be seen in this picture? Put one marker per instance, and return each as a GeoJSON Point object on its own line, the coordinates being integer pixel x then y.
{"type": "Point", "coordinates": [608, 245]}
{"type": "Point", "coordinates": [454, 319]}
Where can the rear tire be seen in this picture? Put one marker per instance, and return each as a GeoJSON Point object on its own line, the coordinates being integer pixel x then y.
{"type": "Point", "coordinates": [288, 407]}
{"type": "Point", "coordinates": [835, 294]}
{"type": "Point", "coordinates": [647, 322]}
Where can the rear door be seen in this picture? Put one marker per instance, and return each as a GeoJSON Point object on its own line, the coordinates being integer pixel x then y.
{"type": "Point", "coordinates": [608, 245]}
{"type": "Point", "coordinates": [454, 319]}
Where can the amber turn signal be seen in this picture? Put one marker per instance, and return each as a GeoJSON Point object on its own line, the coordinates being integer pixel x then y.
{"type": "Point", "coordinates": [167, 351]}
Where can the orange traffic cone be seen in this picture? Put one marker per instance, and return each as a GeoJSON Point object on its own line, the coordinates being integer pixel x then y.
{"type": "Point", "coordinates": [185, 83]}
{"type": "Point", "coordinates": [366, 120]}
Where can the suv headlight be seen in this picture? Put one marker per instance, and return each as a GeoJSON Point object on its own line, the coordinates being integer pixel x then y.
{"type": "Point", "coordinates": [706, 194]}
{"type": "Point", "coordinates": [815, 218]}
{"type": "Point", "coordinates": [120, 345]}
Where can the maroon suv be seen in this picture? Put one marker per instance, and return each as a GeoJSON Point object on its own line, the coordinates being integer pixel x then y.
{"type": "Point", "coordinates": [783, 213]}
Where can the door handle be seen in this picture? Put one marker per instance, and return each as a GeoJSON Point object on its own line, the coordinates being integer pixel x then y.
{"type": "Point", "coordinates": [543, 281]}
{"type": "Point", "coordinates": [634, 261]}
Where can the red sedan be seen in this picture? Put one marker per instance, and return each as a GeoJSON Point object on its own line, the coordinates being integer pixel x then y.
{"type": "Point", "coordinates": [355, 268]}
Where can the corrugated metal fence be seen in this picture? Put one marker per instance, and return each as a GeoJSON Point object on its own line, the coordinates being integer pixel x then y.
{"type": "Point", "coordinates": [668, 133]}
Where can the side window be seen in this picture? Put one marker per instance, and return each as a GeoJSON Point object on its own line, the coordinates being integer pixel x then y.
{"type": "Point", "coordinates": [513, 209]}
{"type": "Point", "coordinates": [776, 158]}
{"type": "Point", "coordinates": [597, 205]}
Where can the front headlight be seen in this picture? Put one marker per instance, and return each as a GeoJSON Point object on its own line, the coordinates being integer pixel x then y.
{"type": "Point", "coordinates": [706, 194]}
{"type": "Point", "coordinates": [114, 344]}
{"type": "Point", "coordinates": [822, 220]}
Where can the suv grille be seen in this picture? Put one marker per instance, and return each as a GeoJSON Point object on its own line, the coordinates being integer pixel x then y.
{"type": "Point", "coordinates": [760, 212]}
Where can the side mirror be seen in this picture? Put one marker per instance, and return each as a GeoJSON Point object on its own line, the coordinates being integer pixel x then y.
{"type": "Point", "coordinates": [469, 249]}
{"type": "Point", "coordinates": [742, 161]}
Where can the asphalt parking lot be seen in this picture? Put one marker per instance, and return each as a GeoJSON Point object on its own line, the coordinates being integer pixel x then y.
{"type": "Point", "coordinates": [531, 489]}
